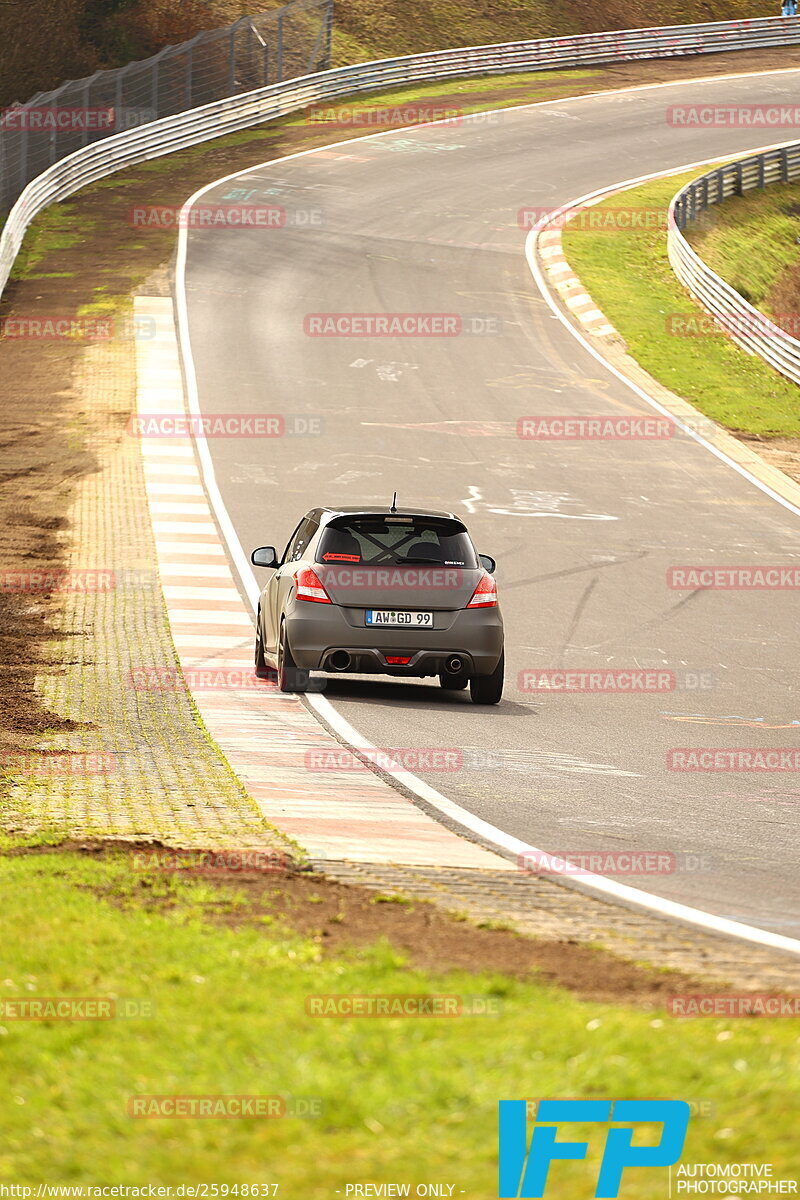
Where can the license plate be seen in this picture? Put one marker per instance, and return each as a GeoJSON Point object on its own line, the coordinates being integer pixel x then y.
{"type": "Point", "coordinates": [390, 616]}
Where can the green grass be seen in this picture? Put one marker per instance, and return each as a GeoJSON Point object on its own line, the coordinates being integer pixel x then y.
{"type": "Point", "coordinates": [50, 232]}
{"type": "Point", "coordinates": [628, 274]}
{"type": "Point", "coordinates": [751, 240]}
{"type": "Point", "coordinates": [401, 1100]}
{"type": "Point", "coordinates": [537, 85]}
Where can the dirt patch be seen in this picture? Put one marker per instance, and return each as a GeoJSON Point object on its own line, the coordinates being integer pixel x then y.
{"type": "Point", "coordinates": [85, 257]}
{"type": "Point", "coordinates": [784, 298]}
{"type": "Point", "coordinates": [37, 465]}
{"type": "Point", "coordinates": [344, 916]}
{"type": "Point", "coordinates": [780, 452]}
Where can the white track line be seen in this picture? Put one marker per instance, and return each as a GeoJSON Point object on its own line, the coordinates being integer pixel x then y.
{"type": "Point", "coordinates": [503, 842]}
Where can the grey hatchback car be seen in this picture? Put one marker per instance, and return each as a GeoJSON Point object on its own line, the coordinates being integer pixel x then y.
{"type": "Point", "coordinates": [393, 591]}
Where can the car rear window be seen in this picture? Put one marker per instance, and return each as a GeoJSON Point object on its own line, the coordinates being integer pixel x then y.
{"type": "Point", "coordinates": [386, 539]}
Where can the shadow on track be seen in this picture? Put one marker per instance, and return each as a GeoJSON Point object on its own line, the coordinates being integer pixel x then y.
{"type": "Point", "coordinates": [415, 695]}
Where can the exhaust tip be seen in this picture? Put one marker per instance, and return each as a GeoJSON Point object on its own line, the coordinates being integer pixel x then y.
{"type": "Point", "coordinates": [454, 665]}
{"type": "Point", "coordinates": [339, 660]}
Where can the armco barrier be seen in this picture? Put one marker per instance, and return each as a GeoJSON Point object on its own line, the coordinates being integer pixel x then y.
{"type": "Point", "coordinates": [747, 326]}
{"type": "Point", "coordinates": [161, 137]}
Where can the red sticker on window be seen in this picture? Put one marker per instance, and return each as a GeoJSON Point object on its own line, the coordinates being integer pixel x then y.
{"type": "Point", "coordinates": [342, 557]}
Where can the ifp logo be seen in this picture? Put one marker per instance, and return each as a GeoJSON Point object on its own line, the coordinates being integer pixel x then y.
{"type": "Point", "coordinates": [524, 1169]}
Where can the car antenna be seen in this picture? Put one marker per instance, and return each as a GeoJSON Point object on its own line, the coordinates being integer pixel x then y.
{"type": "Point", "coordinates": [394, 503]}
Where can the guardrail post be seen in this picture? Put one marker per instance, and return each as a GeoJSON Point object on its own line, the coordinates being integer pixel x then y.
{"type": "Point", "coordinates": [784, 165]}
{"type": "Point", "coordinates": [23, 162]}
{"type": "Point", "coordinates": [232, 60]}
{"type": "Point", "coordinates": [118, 98]}
{"type": "Point", "coordinates": [739, 177]}
{"type": "Point", "coordinates": [326, 54]}
{"type": "Point", "coordinates": [762, 170]}
{"type": "Point", "coordinates": [5, 174]}
{"type": "Point", "coordinates": [85, 97]}
{"type": "Point", "coordinates": [86, 93]}
{"type": "Point", "coordinates": [154, 86]}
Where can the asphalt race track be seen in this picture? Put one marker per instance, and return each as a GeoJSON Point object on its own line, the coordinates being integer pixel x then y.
{"type": "Point", "coordinates": [426, 221]}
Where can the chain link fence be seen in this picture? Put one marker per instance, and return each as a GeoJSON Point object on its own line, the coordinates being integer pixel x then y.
{"type": "Point", "coordinates": [252, 53]}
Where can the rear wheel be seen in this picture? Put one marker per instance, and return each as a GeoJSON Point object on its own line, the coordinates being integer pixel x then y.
{"type": "Point", "coordinates": [453, 683]}
{"type": "Point", "coordinates": [488, 689]}
{"type": "Point", "coordinates": [290, 677]}
{"type": "Point", "coordinates": [261, 668]}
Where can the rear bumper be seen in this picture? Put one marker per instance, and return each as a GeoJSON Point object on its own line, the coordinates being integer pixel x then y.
{"type": "Point", "coordinates": [317, 631]}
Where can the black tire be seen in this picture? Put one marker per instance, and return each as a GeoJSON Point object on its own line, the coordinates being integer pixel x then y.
{"type": "Point", "coordinates": [488, 689]}
{"type": "Point", "coordinates": [290, 677]}
{"type": "Point", "coordinates": [453, 683]}
{"type": "Point", "coordinates": [261, 668]}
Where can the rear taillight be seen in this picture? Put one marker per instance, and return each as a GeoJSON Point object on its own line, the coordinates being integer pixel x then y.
{"type": "Point", "coordinates": [308, 586]}
{"type": "Point", "coordinates": [485, 594]}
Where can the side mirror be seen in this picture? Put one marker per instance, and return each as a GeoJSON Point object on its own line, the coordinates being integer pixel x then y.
{"type": "Point", "coordinates": [487, 562]}
{"type": "Point", "coordinates": [264, 557]}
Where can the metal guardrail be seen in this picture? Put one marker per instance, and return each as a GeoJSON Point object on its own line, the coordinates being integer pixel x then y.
{"type": "Point", "coordinates": [120, 150]}
{"type": "Point", "coordinates": [252, 52]}
{"type": "Point", "coordinates": [731, 313]}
